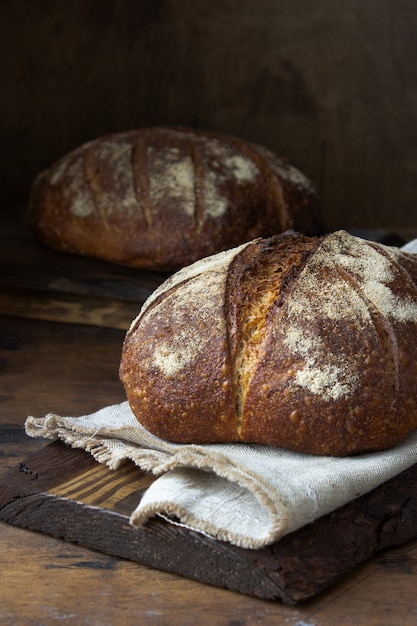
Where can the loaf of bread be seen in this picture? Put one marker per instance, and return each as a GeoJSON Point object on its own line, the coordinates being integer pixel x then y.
{"type": "Point", "coordinates": [162, 197]}
{"type": "Point", "coordinates": [309, 343]}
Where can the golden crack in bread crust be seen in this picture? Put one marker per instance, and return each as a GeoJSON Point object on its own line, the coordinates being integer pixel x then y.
{"type": "Point", "coordinates": [299, 342]}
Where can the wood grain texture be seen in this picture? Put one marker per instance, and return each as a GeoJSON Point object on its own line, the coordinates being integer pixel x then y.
{"type": "Point", "coordinates": [332, 89]}
{"type": "Point", "coordinates": [69, 369]}
{"type": "Point", "coordinates": [28, 265]}
{"type": "Point", "coordinates": [38, 283]}
{"type": "Point", "coordinates": [69, 309]}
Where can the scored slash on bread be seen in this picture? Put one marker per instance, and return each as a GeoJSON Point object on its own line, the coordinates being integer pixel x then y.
{"type": "Point", "coordinates": [309, 343]}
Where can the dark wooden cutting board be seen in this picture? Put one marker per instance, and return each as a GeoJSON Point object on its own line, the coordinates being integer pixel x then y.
{"type": "Point", "coordinates": [65, 493]}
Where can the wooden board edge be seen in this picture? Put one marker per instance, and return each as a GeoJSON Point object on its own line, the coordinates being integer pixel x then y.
{"type": "Point", "coordinates": [68, 308]}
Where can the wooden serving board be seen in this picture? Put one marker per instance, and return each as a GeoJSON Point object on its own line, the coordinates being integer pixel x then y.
{"type": "Point", "coordinates": [65, 493]}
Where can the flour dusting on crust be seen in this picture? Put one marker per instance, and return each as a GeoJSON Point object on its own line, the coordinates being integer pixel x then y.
{"type": "Point", "coordinates": [222, 167]}
{"type": "Point", "coordinates": [190, 316]}
{"type": "Point", "coordinates": [284, 170]}
{"type": "Point", "coordinates": [171, 176]}
{"type": "Point", "coordinates": [215, 262]}
{"type": "Point", "coordinates": [120, 195]}
{"type": "Point", "coordinates": [338, 298]}
{"type": "Point", "coordinates": [75, 189]}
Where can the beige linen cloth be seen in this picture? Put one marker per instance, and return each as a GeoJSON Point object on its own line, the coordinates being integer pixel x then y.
{"type": "Point", "coordinates": [249, 495]}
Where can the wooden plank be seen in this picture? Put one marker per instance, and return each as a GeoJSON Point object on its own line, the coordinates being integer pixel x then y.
{"type": "Point", "coordinates": [39, 283]}
{"type": "Point", "coordinates": [64, 493]}
{"type": "Point", "coordinates": [68, 308]}
{"type": "Point", "coordinates": [65, 368]}
{"type": "Point", "coordinates": [28, 265]}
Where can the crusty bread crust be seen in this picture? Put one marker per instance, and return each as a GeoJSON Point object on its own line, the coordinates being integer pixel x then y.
{"type": "Point", "coordinates": [164, 197]}
{"type": "Point", "coordinates": [299, 342]}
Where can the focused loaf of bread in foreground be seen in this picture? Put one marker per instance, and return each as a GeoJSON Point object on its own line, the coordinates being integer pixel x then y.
{"type": "Point", "coordinates": [301, 342]}
{"type": "Point", "coordinates": [162, 197]}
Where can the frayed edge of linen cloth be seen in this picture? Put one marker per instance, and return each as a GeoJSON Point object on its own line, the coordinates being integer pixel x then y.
{"type": "Point", "coordinates": [249, 495]}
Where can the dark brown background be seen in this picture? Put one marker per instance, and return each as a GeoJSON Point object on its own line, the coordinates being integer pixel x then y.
{"type": "Point", "coordinates": [329, 84]}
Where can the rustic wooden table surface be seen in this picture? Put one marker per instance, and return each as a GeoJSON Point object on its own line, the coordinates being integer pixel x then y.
{"type": "Point", "coordinates": [59, 355]}
{"type": "Point", "coordinates": [71, 368]}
